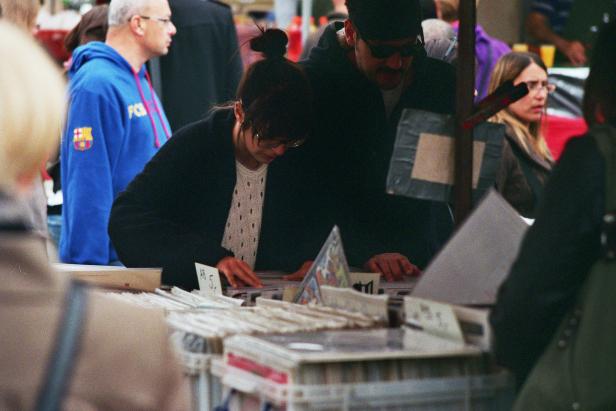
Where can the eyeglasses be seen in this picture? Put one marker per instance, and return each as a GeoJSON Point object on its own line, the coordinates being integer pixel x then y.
{"type": "Point", "coordinates": [537, 86]}
{"type": "Point", "coordinates": [266, 143]}
{"type": "Point", "coordinates": [166, 21]}
{"type": "Point", "coordinates": [383, 51]}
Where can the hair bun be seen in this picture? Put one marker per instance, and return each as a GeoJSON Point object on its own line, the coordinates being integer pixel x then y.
{"type": "Point", "coordinates": [271, 42]}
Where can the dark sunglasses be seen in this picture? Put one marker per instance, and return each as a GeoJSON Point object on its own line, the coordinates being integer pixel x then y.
{"type": "Point", "coordinates": [383, 51]}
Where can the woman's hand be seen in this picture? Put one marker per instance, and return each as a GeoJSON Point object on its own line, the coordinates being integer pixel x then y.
{"type": "Point", "coordinates": [392, 265]}
{"type": "Point", "coordinates": [300, 273]}
{"type": "Point", "coordinates": [238, 273]}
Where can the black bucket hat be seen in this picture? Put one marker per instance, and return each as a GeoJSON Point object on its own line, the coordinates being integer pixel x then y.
{"type": "Point", "coordinates": [385, 19]}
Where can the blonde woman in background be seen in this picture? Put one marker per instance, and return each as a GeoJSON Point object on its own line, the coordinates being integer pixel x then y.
{"type": "Point", "coordinates": [22, 13]}
{"type": "Point", "coordinates": [526, 159]}
{"type": "Point", "coordinates": [122, 359]}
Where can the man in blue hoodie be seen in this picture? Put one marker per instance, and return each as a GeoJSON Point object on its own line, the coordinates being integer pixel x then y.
{"type": "Point", "coordinates": [115, 124]}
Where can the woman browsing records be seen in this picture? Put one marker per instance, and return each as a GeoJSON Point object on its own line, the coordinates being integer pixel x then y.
{"type": "Point", "coordinates": [214, 194]}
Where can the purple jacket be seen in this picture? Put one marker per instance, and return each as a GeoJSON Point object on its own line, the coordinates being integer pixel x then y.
{"type": "Point", "coordinates": [487, 52]}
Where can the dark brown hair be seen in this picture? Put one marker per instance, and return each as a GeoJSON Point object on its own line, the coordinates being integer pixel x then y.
{"type": "Point", "coordinates": [92, 27]}
{"type": "Point", "coordinates": [275, 93]}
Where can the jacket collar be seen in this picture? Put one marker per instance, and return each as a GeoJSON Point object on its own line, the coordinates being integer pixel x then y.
{"type": "Point", "coordinates": [533, 157]}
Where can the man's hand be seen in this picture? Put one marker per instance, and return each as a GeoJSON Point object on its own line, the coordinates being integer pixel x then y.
{"type": "Point", "coordinates": [238, 273]}
{"type": "Point", "coordinates": [538, 26]}
{"type": "Point", "coordinates": [300, 273]}
{"type": "Point", "coordinates": [575, 52]}
{"type": "Point", "coordinates": [392, 265]}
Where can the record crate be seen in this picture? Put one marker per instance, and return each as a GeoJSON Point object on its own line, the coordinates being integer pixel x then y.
{"type": "Point", "coordinates": [206, 388]}
{"type": "Point", "coordinates": [366, 369]}
{"type": "Point", "coordinates": [244, 391]}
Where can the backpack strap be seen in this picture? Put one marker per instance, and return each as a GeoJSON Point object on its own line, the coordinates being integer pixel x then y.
{"type": "Point", "coordinates": [62, 360]}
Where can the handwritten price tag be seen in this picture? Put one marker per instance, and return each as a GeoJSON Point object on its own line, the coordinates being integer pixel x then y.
{"type": "Point", "coordinates": [209, 279]}
{"type": "Point", "coordinates": [434, 318]}
{"type": "Point", "coordinates": [367, 283]}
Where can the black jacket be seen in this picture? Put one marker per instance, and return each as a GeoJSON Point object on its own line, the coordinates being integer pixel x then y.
{"type": "Point", "coordinates": [203, 66]}
{"type": "Point", "coordinates": [521, 176]}
{"type": "Point", "coordinates": [554, 258]}
{"type": "Point", "coordinates": [173, 214]}
{"type": "Point", "coordinates": [348, 158]}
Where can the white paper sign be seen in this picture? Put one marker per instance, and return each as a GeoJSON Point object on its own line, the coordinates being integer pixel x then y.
{"type": "Point", "coordinates": [434, 318]}
{"type": "Point", "coordinates": [367, 283]}
{"type": "Point", "coordinates": [209, 279]}
{"type": "Point", "coordinates": [352, 300]}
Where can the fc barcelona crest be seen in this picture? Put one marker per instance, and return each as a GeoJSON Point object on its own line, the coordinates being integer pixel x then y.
{"type": "Point", "coordinates": [82, 138]}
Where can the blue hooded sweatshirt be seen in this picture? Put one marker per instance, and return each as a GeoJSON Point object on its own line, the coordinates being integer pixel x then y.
{"type": "Point", "coordinates": [115, 124]}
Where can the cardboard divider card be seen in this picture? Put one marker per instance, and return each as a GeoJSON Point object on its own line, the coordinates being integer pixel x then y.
{"type": "Point", "coordinates": [469, 269]}
{"type": "Point", "coordinates": [433, 318]}
{"type": "Point", "coordinates": [209, 279]}
{"type": "Point", "coordinates": [353, 300]}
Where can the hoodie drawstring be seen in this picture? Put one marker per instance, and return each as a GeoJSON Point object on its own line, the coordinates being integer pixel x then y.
{"type": "Point", "coordinates": [167, 133]}
{"type": "Point", "coordinates": [147, 108]}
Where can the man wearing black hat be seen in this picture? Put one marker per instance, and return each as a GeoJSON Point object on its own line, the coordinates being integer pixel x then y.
{"type": "Point", "coordinates": [364, 71]}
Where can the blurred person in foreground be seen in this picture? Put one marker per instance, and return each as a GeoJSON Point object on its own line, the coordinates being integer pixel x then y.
{"type": "Point", "coordinates": [115, 124]}
{"type": "Point", "coordinates": [558, 251]}
{"type": "Point", "coordinates": [526, 159]}
{"type": "Point", "coordinates": [218, 192]}
{"type": "Point", "coordinates": [23, 14]}
{"type": "Point", "coordinates": [122, 359]}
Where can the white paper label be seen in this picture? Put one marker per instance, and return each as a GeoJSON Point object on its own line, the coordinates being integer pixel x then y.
{"type": "Point", "coordinates": [352, 300]}
{"type": "Point", "coordinates": [209, 280]}
{"type": "Point", "coordinates": [434, 318]}
{"type": "Point", "coordinates": [367, 283]}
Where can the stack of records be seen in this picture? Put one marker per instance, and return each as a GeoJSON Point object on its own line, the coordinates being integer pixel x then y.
{"type": "Point", "coordinates": [177, 299]}
{"type": "Point", "coordinates": [350, 356]}
{"type": "Point", "coordinates": [201, 332]}
{"type": "Point", "coordinates": [397, 369]}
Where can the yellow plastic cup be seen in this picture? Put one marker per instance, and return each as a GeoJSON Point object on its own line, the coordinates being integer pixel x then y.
{"type": "Point", "coordinates": [520, 47]}
{"type": "Point", "coordinates": [547, 54]}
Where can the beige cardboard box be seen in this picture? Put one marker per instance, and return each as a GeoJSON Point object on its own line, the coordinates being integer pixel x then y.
{"type": "Point", "coordinates": [139, 279]}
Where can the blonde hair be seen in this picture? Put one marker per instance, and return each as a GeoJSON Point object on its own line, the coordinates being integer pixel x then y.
{"type": "Point", "coordinates": [508, 68]}
{"type": "Point", "coordinates": [32, 105]}
{"type": "Point", "coordinates": [22, 13]}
